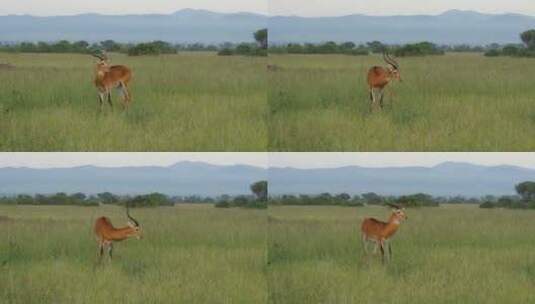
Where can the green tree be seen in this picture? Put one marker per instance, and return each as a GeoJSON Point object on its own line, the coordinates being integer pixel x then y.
{"type": "Point", "coordinates": [526, 190]}
{"type": "Point", "coordinates": [528, 37]}
{"type": "Point", "coordinates": [108, 198]}
{"type": "Point", "coordinates": [261, 37]}
{"type": "Point", "coordinates": [260, 190]}
{"type": "Point", "coordinates": [110, 46]}
{"type": "Point", "coordinates": [376, 46]}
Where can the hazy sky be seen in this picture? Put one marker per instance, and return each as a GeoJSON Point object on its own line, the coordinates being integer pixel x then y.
{"type": "Point", "coordinates": [327, 160]}
{"type": "Point", "coordinates": [56, 160]}
{"type": "Point", "coordinates": [70, 7]}
{"type": "Point", "coordinates": [395, 7]}
{"type": "Point", "coordinates": [276, 7]}
{"type": "Point", "coordinates": [297, 160]}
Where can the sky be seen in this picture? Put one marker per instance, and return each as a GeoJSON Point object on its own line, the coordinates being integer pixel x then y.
{"type": "Point", "coordinates": [273, 7]}
{"type": "Point", "coordinates": [70, 7]}
{"type": "Point", "coordinates": [66, 160]}
{"type": "Point", "coordinates": [314, 8]}
{"type": "Point", "coordinates": [388, 159]}
{"type": "Point", "coordinates": [296, 160]}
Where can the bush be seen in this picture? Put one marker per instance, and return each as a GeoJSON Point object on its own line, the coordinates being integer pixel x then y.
{"type": "Point", "coordinates": [243, 49]}
{"type": "Point", "coordinates": [487, 205]}
{"type": "Point", "coordinates": [144, 49]}
{"type": "Point", "coordinates": [256, 204]}
{"type": "Point", "coordinates": [418, 49]}
{"type": "Point", "coordinates": [225, 52]}
{"type": "Point", "coordinates": [222, 204]}
{"type": "Point", "coordinates": [492, 53]}
{"type": "Point", "coordinates": [259, 52]}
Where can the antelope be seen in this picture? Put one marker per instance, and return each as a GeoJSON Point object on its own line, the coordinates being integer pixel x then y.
{"type": "Point", "coordinates": [107, 234]}
{"type": "Point", "coordinates": [378, 232]}
{"type": "Point", "coordinates": [108, 77]}
{"type": "Point", "coordinates": [379, 77]}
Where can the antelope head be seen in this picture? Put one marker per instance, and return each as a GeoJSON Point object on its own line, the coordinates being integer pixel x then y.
{"type": "Point", "coordinates": [393, 66]}
{"type": "Point", "coordinates": [398, 213]}
{"type": "Point", "coordinates": [102, 64]}
{"type": "Point", "coordinates": [136, 230]}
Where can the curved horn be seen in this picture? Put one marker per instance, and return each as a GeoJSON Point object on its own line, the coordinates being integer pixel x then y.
{"type": "Point", "coordinates": [129, 216]}
{"type": "Point", "coordinates": [97, 56]}
{"type": "Point", "coordinates": [391, 60]}
{"type": "Point", "coordinates": [100, 55]}
{"type": "Point", "coordinates": [393, 205]}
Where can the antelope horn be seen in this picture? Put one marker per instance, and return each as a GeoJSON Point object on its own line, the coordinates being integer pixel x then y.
{"type": "Point", "coordinates": [129, 216]}
{"type": "Point", "coordinates": [393, 205]}
{"type": "Point", "coordinates": [391, 61]}
{"type": "Point", "coordinates": [101, 55]}
{"type": "Point", "coordinates": [386, 58]}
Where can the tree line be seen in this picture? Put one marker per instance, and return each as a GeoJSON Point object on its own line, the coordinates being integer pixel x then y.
{"type": "Point", "coordinates": [258, 199]}
{"type": "Point", "coordinates": [258, 48]}
{"type": "Point", "coordinates": [525, 198]}
{"type": "Point", "coordinates": [373, 47]}
{"type": "Point", "coordinates": [424, 48]}
{"type": "Point", "coordinates": [524, 49]}
{"type": "Point", "coordinates": [82, 199]}
{"type": "Point", "coordinates": [370, 198]}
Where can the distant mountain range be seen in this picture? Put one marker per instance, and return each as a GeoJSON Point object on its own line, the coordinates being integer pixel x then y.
{"type": "Point", "coordinates": [189, 178]}
{"type": "Point", "coordinates": [184, 26]}
{"type": "Point", "coordinates": [451, 27]}
{"type": "Point", "coordinates": [184, 178]}
{"type": "Point", "coordinates": [188, 26]}
{"type": "Point", "coordinates": [447, 179]}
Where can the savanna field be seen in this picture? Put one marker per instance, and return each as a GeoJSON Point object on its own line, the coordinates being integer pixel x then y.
{"type": "Point", "coordinates": [456, 102]}
{"type": "Point", "coordinates": [189, 254]}
{"type": "Point", "coordinates": [187, 102]}
{"type": "Point", "coordinates": [448, 254]}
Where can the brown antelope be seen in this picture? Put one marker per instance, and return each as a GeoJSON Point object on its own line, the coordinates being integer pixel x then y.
{"type": "Point", "coordinates": [379, 77]}
{"type": "Point", "coordinates": [108, 77]}
{"type": "Point", "coordinates": [380, 232]}
{"type": "Point", "coordinates": [107, 234]}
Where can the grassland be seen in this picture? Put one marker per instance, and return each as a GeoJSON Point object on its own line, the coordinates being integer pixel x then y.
{"type": "Point", "coordinates": [189, 254]}
{"type": "Point", "coordinates": [452, 254]}
{"type": "Point", "coordinates": [456, 102]}
{"type": "Point", "coordinates": [185, 102]}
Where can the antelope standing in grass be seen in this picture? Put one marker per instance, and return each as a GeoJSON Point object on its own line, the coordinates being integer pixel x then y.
{"type": "Point", "coordinates": [108, 77]}
{"type": "Point", "coordinates": [107, 234]}
{"type": "Point", "coordinates": [379, 77]}
{"type": "Point", "coordinates": [379, 232]}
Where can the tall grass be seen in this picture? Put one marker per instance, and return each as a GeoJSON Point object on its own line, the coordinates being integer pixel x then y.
{"type": "Point", "coordinates": [185, 102]}
{"type": "Point", "coordinates": [456, 102]}
{"type": "Point", "coordinates": [189, 254]}
{"type": "Point", "coordinates": [451, 254]}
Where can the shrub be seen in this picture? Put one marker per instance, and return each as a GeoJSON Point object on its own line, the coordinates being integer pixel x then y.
{"type": "Point", "coordinates": [243, 49]}
{"type": "Point", "coordinates": [144, 49]}
{"type": "Point", "coordinates": [418, 49]}
{"type": "Point", "coordinates": [487, 205]}
{"type": "Point", "coordinates": [225, 52]}
{"type": "Point", "coordinates": [222, 204]}
{"type": "Point", "coordinates": [492, 53]}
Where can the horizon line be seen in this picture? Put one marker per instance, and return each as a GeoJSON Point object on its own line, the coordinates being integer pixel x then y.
{"type": "Point", "coordinates": [269, 15]}
{"type": "Point", "coordinates": [273, 167]}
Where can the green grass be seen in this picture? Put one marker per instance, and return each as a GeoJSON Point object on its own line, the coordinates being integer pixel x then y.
{"type": "Point", "coordinates": [189, 254]}
{"type": "Point", "coordinates": [185, 102]}
{"type": "Point", "coordinates": [201, 254]}
{"type": "Point", "coordinates": [450, 254]}
{"type": "Point", "coordinates": [456, 102]}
